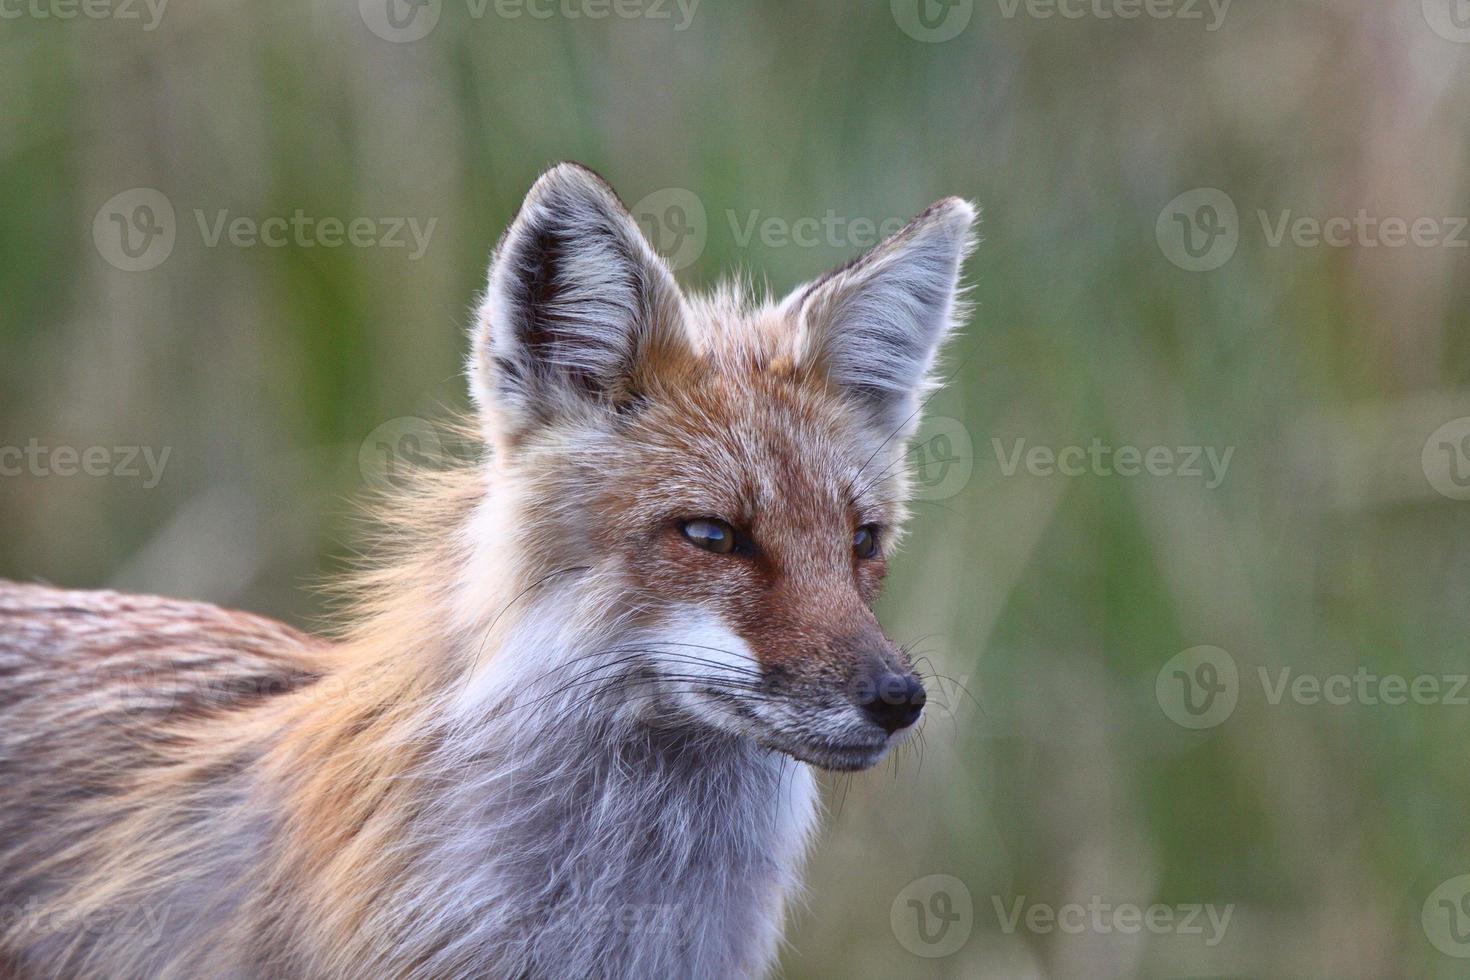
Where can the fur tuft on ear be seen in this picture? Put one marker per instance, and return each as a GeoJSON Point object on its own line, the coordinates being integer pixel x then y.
{"type": "Point", "coordinates": [875, 325]}
{"type": "Point", "coordinates": [576, 297]}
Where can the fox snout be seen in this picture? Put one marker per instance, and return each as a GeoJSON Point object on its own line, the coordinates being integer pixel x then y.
{"type": "Point", "coordinates": [881, 684]}
{"type": "Point", "coordinates": [892, 700]}
{"type": "Point", "coordinates": [839, 703]}
{"type": "Point", "coordinates": [879, 681]}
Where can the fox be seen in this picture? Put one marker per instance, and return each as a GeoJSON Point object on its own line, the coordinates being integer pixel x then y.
{"type": "Point", "coordinates": [570, 722]}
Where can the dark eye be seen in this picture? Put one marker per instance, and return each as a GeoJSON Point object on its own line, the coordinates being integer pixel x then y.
{"type": "Point", "coordinates": [865, 542]}
{"type": "Point", "coordinates": [710, 534]}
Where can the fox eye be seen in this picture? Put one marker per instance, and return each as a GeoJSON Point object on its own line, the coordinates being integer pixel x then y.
{"type": "Point", "coordinates": [865, 542]}
{"type": "Point", "coordinates": [710, 534]}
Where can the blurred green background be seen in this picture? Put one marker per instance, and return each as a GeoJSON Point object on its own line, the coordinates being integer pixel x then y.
{"type": "Point", "coordinates": [1107, 307]}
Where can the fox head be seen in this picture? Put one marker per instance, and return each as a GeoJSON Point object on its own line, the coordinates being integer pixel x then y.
{"type": "Point", "coordinates": [723, 480]}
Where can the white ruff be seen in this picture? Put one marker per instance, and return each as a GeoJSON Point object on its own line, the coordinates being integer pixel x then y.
{"type": "Point", "coordinates": [585, 834]}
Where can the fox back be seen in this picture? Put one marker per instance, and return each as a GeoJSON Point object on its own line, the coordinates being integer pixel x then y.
{"type": "Point", "coordinates": [569, 723]}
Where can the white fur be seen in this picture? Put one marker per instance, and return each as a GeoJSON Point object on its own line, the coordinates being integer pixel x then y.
{"type": "Point", "coordinates": [601, 827]}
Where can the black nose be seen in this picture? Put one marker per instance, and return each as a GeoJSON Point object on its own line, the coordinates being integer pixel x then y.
{"type": "Point", "coordinates": [893, 700]}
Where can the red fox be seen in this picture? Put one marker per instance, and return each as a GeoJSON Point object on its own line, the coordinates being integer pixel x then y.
{"type": "Point", "coordinates": [568, 729]}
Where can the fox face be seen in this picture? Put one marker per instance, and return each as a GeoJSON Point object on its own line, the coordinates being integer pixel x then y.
{"type": "Point", "coordinates": [724, 479]}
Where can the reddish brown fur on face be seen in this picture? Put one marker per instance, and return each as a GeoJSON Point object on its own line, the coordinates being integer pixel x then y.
{"type": "Point", "coordinates": [782, 460]}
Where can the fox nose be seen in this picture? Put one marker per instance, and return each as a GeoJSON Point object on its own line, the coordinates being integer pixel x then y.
{"type": "Point", "coordinates": [892, 700]}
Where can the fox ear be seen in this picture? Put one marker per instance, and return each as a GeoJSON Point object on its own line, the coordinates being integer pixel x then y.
{"type": "Point", "coordinates": [576, 299]}
{"type": "Point", "coordinates": [874, 326]}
